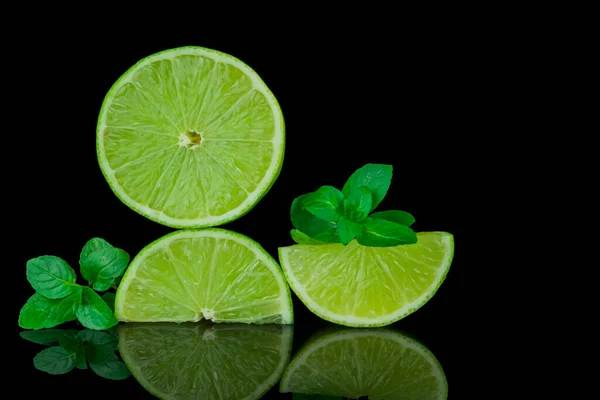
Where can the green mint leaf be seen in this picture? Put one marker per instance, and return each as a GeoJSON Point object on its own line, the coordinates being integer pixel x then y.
{"type": "Point", "coordinates": [111, 368]}
{"type": "Point", "coordinates": [94, 313]}
{"type": "Point", "coordinates": [51, 277]}
{"type": "Point", "coordinates": [377, 177]}
{"type": "Point", "coordinates": [99, 345]}
{"type": "Point", "coordinates": [302, 238]}
{"type": "Point", "coordinates": [302, 396]}
{"type": "Point", "coordinates": [54, 360]}
{"type": "Point", "coordinates": [348, 230]}
{"type": "Point", "coordinates": [399, 217]}
{"type": "Point", "coordinates": [382, 233]}
{"type": "Point", "coordinates": [326, 203]}
{"type": "Point", "coordinates": [102, 267]}
{"type": "Point", "coordinates": [109, 299]}
{"type": "Point", "coordinates": [357, 204]}
{"type": "Point", "coordinates": [47, 336]}
{"type": "Point", "coordinates": [311, 225]}
{"type": "Point", "coordinates": [91, 246]}
{"type": "Point", "coordinates": [40, 312]}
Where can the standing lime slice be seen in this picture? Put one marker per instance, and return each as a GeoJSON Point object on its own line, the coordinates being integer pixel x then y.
{"type": "Point", "coordinates": [378, 363]}
{"type": "Point", "coordinates": [363, 286]}
{"type": "Point", "coordinates": [211, 274]}
{"type": "Point", "coordinates": [203, 361]}
{"type": "Point", "coordinates": [190, 137]}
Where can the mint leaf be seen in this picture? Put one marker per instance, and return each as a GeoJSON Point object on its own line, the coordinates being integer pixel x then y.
{"type": "Point", "coordinates": [382, 233]}
{"type": "Point", "coordinates": [399, 217]}
{"type": "Point", "coordinates": [311, 225]}
{"type": "Point", "coordinates": [109, 299]}
{"type": "Point", "coordinates": [376, 177]}
{"type": "Point", "coordinates": [98, 345]}
{"type": "Point", "coordinates": [40, 312]}
{"type": "Point", "coordinates": [111, 368]}
{"type": "Point", "coordinates": [357, 204]}
{"type": "Point", "coordinates": [94, 313]}
{"type": "Point", "coordinates": [302, 238]}
{"type": "Point", "coordinates": [348, 229]}
{"type": "Point", "coordinates": [46, 336]}
{"type": "Point", "coordinates": [102, 267]}
{"type": "Point", "coordinates": [91, 246]}
{"type": "Point", "coordinates": [325, 203]}
{"type": "Point", "coordinates": [54, 360]}
{"type": "Point", "coordinates": [51, 276]}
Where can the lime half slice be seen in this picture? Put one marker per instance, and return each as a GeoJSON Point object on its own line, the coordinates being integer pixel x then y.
{"type": "Point", "coordinates": [210, 274]}
{"type": "Point", "coordinates": [378, 363]}
{"type": "Point", "coordinates": [190, 137]}
{"type": "Point", "coordinates": [365, 286]}
{"type": "Point", "coordinates": [205, 361]}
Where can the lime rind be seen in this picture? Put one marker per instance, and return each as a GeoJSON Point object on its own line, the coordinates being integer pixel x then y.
{"type": "Point", "coordinates": [251, 200]}
{"type": "Point", "coordinates": [287, 312]}
{"type": "Point", "coordinates": [381, 320]}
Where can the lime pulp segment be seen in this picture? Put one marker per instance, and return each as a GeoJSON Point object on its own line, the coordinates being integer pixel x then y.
{"type": "Point", "coordinates": [210, 274]}
{"type": "Point", "coordinates": [190, 137]}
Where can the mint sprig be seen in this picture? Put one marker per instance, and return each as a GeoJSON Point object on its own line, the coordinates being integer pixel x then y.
{"type": "Point", "coordinates": [59, 299]}
{"type": "Point", "coordinates": [72, 349]}
{"type": "Point", "coordinates": [329, 215]}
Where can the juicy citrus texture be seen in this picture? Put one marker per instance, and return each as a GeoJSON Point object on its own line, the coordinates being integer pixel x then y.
{"type": "Point", "coordinates": [358, 285]}
{"type": "Point", "coordinates": [203, 361]}
{"type": "Point", "coordinates": [190, 137]}
{"type": "Point", "coordinates": [211, 274]}
{"type": "Point", "coordinates": [378, 363]}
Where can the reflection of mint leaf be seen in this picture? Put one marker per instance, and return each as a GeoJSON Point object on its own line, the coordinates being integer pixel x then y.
{"type": "Point", "coordinates": [54, 360]}
{"type": "Point", "coordinates": [109, 299]}
{"type": "Point", "coordinates": [357, 204]}
{"type": "Point", "coordinates": [40, 312]}
{"type": "Point", "coordinates": [102, 267]}
{"type": "Point", "coordinates": [376, 177]}
{"type": "Point", "coordinates": [310, 224]}
{"type": "Point", "coordinates": [94, 313]}
{"type": "Point", "coordinates": [302, 396]}
{"type": "Point", "coordinates": [91, 246]}
{"type": "Point", "coordinates": [382, 233]}
{"type": "Point", "coordinates": [302, 238]}
{"type": "Point", "coordinates": [325, 203]}
{"type": "Point", "coordinates": [80, 361]}
{"type": "Point", "coordinates": [51, 277]}
{"type": "Point", "coordinates": [98, 345]}
{"type": "Point", "coordinates": [399, 217]}
{"type": "Point", "coordinates": [111, 368]}
{"type": "Point", "coordinates": [46, 336]}
{"type": "Point", "coordinates": [70, 343]}
{"type": "Point", "coordinates": [348, 230]}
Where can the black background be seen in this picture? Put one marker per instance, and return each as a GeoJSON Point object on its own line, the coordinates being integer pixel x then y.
{"type": "Point", "coordinates": [410, 99]}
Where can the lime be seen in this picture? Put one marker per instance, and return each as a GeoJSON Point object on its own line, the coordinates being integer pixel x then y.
{"type": "Point", "coordinates": [190, 137]}
{"type": "Point", "coordinates": [211, 274]}
{"type": "Point", "coordinates": [205, 361]}
{"type": "Point", "coordinates": [358, 285]}
{"type": "Point", "coordinates": [379, 363]}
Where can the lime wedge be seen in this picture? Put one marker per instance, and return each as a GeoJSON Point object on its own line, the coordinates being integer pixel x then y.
{"type": "Point", "coordinates": [211, 274]}
{"type": "Point", "coordinates": [205, 361]}
{"type": "Point", "coordinates": [190, 137]}
{"type": "Point", "coordinates": [379, 363]}
{"type": "Point", "coordinates": [364, 286]}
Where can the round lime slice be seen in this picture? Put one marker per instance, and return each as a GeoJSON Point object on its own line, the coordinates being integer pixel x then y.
{"type": "Point", "coordinates": [378, 363]}
{"type": "Point", "coordinates": [205, 361]}
{"type": "Point", "coordinates": [190, 137]}
{"type": "Point", "coordinates": [210, 274]}
{"type": "Point", "coordinates": [365, 286]}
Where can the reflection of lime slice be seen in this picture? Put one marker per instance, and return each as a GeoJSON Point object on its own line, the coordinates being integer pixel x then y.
{"type": "Point", "coordinates": [210, 274]}
{"type": "Point", "coordinates": [379, 363]}
{"type": "Point", "coordinates": [190, 137]}
{"type": "Point", "coordinates": [203, 361]}
{"type": "Point", "coordinates": [356, 285]}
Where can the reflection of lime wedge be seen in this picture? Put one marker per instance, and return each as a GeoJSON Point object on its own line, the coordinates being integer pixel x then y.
{"type": "Point", "coordinates": [210, 274]}
{"type": "Point", "coordinates": [204, 361]}
{"type": "Point", "coordinates": [379, 363]}
{"type": "Point", "coordinates": [356, 285]}
{"type": "Point", "coordinates": [190, 137]}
